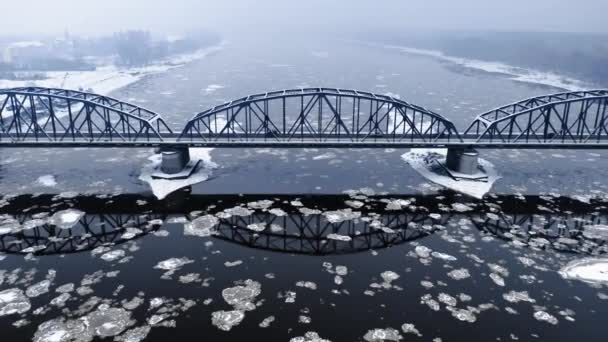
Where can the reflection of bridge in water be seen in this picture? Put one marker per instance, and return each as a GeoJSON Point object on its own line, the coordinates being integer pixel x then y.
{"type": "Point", "coordinates": [106, 223]}
{"type": "Point", "coordinates": [90, 232]}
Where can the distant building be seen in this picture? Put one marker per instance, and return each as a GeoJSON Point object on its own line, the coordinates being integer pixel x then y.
{"type": "Point", "coordinates": [23, 52]}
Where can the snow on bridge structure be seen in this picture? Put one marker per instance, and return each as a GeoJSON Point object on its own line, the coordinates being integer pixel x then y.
{"type": "Point", "coordinates": [310, 117]}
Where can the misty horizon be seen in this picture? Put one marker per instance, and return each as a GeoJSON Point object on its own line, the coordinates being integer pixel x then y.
{"type": "Point", "coordinates": [248, 17]}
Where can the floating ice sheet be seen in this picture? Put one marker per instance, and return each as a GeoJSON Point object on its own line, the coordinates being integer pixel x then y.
{"type": "Point", "coordinates": [66, 219]}
{"type": "Point", "coordinates": [13, 301]}
{"type": "Point", "coordinates": [425, 161]}
{"type": "Point", "coordinates": [163, 187]}
{"type": "Point", "coordinates": [47, 180]}
{"type": "Point", "coordinates": [590, 270]}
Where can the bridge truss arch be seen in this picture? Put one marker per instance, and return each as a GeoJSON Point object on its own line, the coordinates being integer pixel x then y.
{"type": "Point", "coordinates": [320, 117]}
{"type": "Point", "coordinates": [573, 118]}
{"type": "Point", "coordinates": [48, 115]}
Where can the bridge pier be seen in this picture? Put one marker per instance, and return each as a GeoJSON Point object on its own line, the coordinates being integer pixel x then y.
{"type": "Point", "coordinates": [175, 163]}
{"type": "Point", "coordinates": [174, 159]}
{"type": "Point", "coordinates": [463, 160]}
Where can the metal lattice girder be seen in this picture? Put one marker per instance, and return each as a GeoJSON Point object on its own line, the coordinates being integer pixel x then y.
{"type": "Point", "coordinates": [316, 117]}
{"type": "Point", "coordinates": [35, 114]}
{"type": "Point", "coordinates": [573, 117]}
{"type": "Point", "coordinates": [319, 115]}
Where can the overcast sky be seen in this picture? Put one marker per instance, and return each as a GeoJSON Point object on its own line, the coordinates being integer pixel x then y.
{"type": "Point", "coordinates": [234, 16]}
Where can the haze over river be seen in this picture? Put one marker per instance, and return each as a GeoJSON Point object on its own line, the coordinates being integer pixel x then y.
{"type": "Point", "coordinates": [372, 251]}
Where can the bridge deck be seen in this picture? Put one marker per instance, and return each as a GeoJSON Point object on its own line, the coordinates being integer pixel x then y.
{"type": "Point", "coordinates": [240, 141]}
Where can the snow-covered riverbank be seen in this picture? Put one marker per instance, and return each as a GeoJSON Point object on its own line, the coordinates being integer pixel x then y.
{"type": "Point", "coordinates": [108, 78]}
{"type": "Point", "coordinates": [515, 73]}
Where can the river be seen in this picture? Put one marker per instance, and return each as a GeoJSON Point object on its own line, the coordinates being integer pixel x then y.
{"type": "Point", "coordinates": [338, 244]}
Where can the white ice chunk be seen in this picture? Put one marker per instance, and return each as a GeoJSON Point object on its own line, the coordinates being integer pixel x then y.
{"type": "Point", "coordinates": [13, 301]}
{"type": "Point", "coordinates": [590, 270]}
{"type": "Point", "coordinates": [66, 219]}
{"type": "Point", "coordinates": [47, 180]}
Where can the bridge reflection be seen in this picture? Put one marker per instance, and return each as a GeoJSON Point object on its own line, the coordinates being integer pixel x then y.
{"type": "Point", "coordinates": [90, 232]}
{"type": "Point", "coordinates": [313, 234]}
{"type": "Point", "coordinates": [559, 224]}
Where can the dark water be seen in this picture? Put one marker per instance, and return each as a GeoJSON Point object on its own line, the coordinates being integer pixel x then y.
{"type": "Point", "coordinates": [470, 235]}
{"type": "Point", "coordinates": [331, 250]}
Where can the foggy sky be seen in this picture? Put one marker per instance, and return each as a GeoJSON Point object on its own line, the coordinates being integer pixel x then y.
{"type": "Point", "coordinates": [93, 17]}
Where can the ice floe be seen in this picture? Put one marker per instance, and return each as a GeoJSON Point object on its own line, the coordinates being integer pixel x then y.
{"type": "Point", "coordinates": [518, 296]}
{"type": "Point", "coordinates": [590, 270]}
{"type": "Point", "coordinates": [309, 336]}
{"type": "Point", "coordinates": [341, 215]}
{"type": "Point", "coordinates": [47, 180]}
{"type": "Point", "coordinates": [426, 162]}
{"type": "Point", "coordinates": [459, 274]}
{"type": "Point", "coordinates": [381, 335]}
{"type": "Point", "coordinates": [339, 237]}
{"type": "Point", "coordinates": [38, 289]}
{"type": "Point", "coordinates": [161, 188]}
{"type": "Point", "coordinates": [236, 211]}
{"type": "Point", "coordinates": [545, 317]}
{"type": "Point", "coordinates": [225, 320]}
{"type": "Point", "coordinates": [66, 219]}
{"type": "Point", "coordinates": [173, 264]}
{"type": "Point", "coordinates": [13, 301]}
{"type": "Point", "coordinates": [134, 335]}
{"type": "Point", "coordinates": [201, 226]}
{"type": "Point", "coordinates": [409, 328]}
{"type": "Point", "coordinates": [266, 322]}
{"type": "Point", "coordinates": [105, 321]}
{"type": "Point", "coordinates": [242, 296]}
{"type": "Point", "coordinates": [113, 255]}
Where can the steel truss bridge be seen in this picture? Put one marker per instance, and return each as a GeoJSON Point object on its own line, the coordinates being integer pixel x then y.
{"type": "Point", "coordinates": [310, 117]}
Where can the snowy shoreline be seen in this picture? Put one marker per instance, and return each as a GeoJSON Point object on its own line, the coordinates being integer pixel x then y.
{"type": "Point", "coordinates": [519, 74]}
{"type": "Point", "coordinates": [108, 78]}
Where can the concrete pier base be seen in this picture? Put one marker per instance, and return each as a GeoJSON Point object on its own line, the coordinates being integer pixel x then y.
{"type": "Point", "coordinates": [464, 161]}
{"type": "Point", "coordinates": [174, 160]}
{"type": "Point", "coordinates": [175, 164]}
